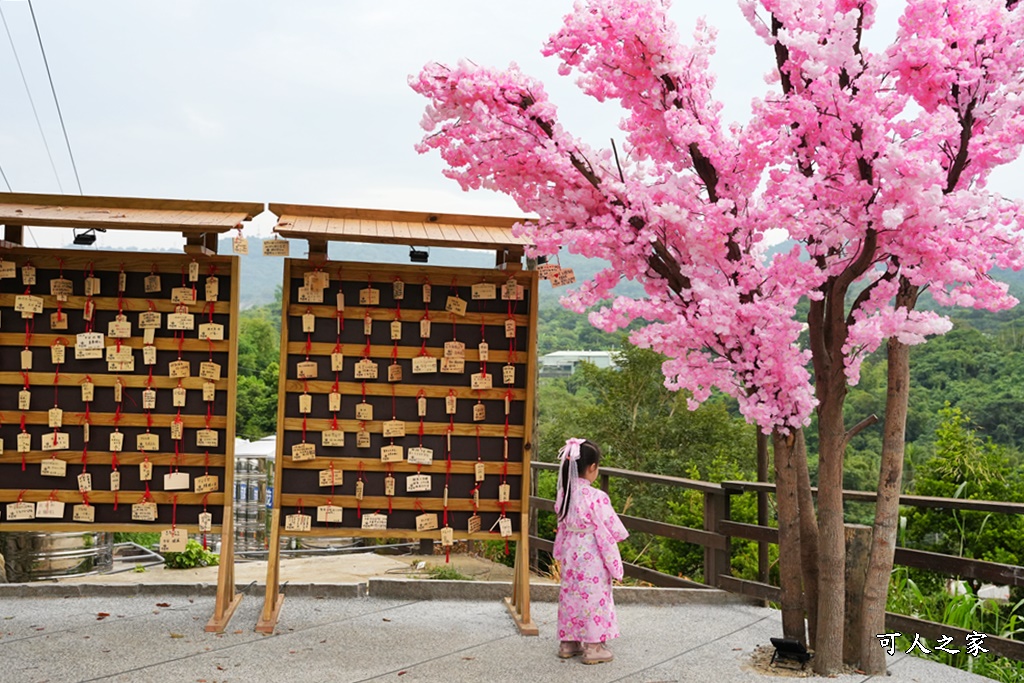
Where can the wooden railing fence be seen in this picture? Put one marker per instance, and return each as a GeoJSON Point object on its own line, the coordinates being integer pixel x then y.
{"type": "Point", "coordinates": [718, 531]}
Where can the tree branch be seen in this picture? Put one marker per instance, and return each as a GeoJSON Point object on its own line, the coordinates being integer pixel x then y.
{"type": "Point", "coordinates": [865, 294]}
{"type": "Point", "coordinates": [661, 262]}
{"type": "Point", "coordinates": [858, 428]}
{"type": "Point", "coordinates": [962, 158]}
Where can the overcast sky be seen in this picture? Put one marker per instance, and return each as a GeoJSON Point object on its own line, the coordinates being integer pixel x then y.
{"type": "Point", "coordinates": [302, 102]}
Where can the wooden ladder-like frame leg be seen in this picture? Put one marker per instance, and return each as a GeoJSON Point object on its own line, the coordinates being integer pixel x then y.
{"type": "Point", "coordinates": [274, 598]}
{"type": "Point", "coordinates": [518, 605]}
{"type": "Point", "coordinates": [227, 599]}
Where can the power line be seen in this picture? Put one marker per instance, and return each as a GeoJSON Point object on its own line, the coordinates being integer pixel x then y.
{"type": "Point", "coordinates": [55, 100]}
{"type": "Point", "coordinates": [24, 80]}
{"type": "Point", "coordinates": [6, 182]}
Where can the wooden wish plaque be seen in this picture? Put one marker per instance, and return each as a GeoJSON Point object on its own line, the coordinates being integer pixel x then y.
{"type": "Point", "coordinates": [407, 457]}
{"type": "Point", "coordinates": [76, 389]}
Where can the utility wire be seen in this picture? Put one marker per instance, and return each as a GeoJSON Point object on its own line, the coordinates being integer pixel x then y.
{"type": "Point", "coordinates": [6, 182]}
{"type": "Point", "coordinates": [55, 100]}
{"type": "Point", "coordinates": [31, 101]}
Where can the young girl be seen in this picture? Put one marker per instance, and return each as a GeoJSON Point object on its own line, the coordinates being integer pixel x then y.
{"type": "Point", "coordinates": [586, 546]}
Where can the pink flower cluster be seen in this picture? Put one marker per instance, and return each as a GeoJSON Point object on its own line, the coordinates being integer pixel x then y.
{"type": "Point", "coordinates": [876, 165]}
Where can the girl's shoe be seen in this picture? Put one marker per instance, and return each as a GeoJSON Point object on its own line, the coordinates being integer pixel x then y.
{"type": "Point", "coordinates": [596, 653]}
{"type": "Point", "coordinates": [567, 649]}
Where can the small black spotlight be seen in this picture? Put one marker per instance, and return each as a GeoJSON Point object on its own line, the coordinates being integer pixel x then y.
{"type": "Point", "coordinates": [418, 255]}
{"type": "Point", "coordinates": [791, 650]}
{"type": "Point", "coordinates": [86, 238]}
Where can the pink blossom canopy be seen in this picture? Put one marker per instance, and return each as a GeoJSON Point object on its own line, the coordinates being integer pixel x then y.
{"type": "Point", "coordinates": [875, 164]}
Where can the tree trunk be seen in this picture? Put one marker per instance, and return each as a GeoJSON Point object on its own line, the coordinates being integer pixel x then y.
{"type": "Point", "coordinates": [828, 657]}
{"type": "Point", "coordinates": [789, 536]}
{"type": "Point", "coordinates": [808, 539]}
{"type": "Point", "coordinates": [887, 508]}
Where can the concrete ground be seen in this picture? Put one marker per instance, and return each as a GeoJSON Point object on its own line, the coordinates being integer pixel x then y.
{"type": "Point", "coordinates": [337, 569]}
{"type": "Point", "coordinates": [95, 632]}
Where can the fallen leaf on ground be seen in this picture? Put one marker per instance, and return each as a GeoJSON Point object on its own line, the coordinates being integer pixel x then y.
{"type": "Point", "coordinates": [163, 604]}
{"type": "Point", "coordinates": [238, 632]}
{"type": "Point", "coordinates": [177, 635]}
{"type": "Point", "coordinates": [469, 658]}
{"type": "Point", "coordinates": [100, 616]}
{"type": "Point", "coordinates": [385, 619]}
{"type": "Point", "coordinates": [402, 673]}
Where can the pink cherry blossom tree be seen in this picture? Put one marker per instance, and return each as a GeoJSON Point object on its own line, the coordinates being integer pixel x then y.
{"type": "Point", "coordinates": [876, 164]}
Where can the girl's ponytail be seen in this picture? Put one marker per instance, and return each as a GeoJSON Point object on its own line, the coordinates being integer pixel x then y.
{"type": "Point", "coordinates": [575, 455]}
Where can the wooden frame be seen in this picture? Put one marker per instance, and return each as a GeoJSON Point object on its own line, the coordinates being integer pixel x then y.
{"type": "Point", "coordinates": [320, 224]}
{"type": "Point", "coordinates": [295, 487]}
{"type": "Point", "coordinates": [103, 413]}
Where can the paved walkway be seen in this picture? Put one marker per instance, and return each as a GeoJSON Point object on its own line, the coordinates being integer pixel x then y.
{"type": "Point", "coordinates": [60, 635]}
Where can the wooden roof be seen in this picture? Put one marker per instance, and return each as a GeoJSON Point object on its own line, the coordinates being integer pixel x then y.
{"type": "Point", "coordinates": [326, 223]}
{"type": "Point", "coordinates": [123, 213]}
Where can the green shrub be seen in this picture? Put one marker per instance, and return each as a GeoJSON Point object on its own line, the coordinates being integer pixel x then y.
{"type": "Point", "coordinates": [193, 556]}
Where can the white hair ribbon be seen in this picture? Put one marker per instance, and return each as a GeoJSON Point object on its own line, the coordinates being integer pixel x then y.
{"type": "Point", "coordinates": [571, 449]}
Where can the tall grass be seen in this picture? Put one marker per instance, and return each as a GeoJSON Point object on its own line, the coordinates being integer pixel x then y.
{"type": "Point", "coordinates": [962, 610]}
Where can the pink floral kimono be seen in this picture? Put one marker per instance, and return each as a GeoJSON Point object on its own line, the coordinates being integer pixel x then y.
{"type": "Point", "coordinates": [586, 546]}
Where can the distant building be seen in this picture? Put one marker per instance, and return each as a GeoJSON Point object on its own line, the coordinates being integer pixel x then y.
{"type": "Point", "coordinates": [564, 363]}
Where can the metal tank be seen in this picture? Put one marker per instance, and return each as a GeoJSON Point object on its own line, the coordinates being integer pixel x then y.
{"type": "Point", "coordinates": [37, 556]}
{"type": "Point", "coordinates": [250, 504]}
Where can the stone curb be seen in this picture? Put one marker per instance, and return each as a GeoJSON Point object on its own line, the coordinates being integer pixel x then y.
{"type": "Point", "coordinates": [414, 589]}
{"type": "Point", "coordinates": [401, 589]}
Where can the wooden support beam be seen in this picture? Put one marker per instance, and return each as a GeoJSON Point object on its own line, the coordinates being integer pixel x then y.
{"type": "Point", "coordinates": [317, 248]}
{"type": "Point", "coordinates": [14, 234]}
{"type": "Point", "coordinates": [196, 244]}
{"type": "Point", "coordinates": [509, 259]}
{"type": "Point", "coordinates": [210, 242]}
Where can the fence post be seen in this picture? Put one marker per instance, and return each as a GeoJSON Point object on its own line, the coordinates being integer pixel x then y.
{"type": "Point", "coordinates": [762, 505]}
{"type": "Point", "coordinates": [716, 509]}
{"type": "Point", "coordinates": [534, 553]}
{"type": "Point", "coordinates": [605, 483]}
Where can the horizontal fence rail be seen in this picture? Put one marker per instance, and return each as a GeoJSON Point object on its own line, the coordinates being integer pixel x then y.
{"type": "Point", "coordinates": [719, 530]}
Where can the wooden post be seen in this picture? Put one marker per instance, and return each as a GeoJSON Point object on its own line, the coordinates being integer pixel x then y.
{"type": "Point", "coordinates": [534, 554]}
{"type": "Point", "coordinates": [317, 249]}
{"type": "Point", "coordinates": [15, 234]}
{"type": "Point", "coordinates": [195, 243]}
{"type": "Point", "coordinates": [858, 553]}
{"type": "Point", "coordinates": [227, 599]}
{"type": "Point", "coordinates": [716, 509]}
{"type": "Point", "coordinates": [273, 599]}
{"type": "Point", "coordinates": [510, 258]}
{"type": "Point", "coordinates": [762, 505]}
{"type": "Point", "coordinates": [518, 604]}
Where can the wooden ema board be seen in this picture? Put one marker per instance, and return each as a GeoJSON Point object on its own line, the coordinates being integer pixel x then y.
{"type": "Point", "coordinates": [488, 435]}
{"type": "Point", "coordinates": [117, 442]}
